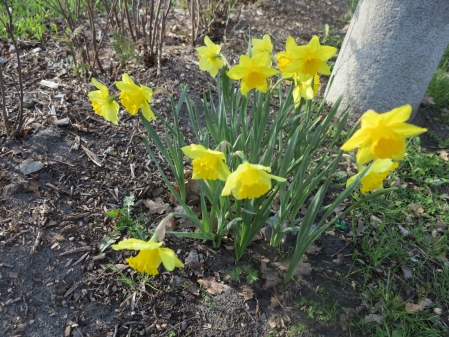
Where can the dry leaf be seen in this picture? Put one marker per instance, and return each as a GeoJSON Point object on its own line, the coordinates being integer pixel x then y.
{"type": "Point", "coordinates": [270, 276]}
{"type": "Point", "coordinates": [413, 308]}
{"type": "Point", "coordinates": [374, 318]}
{"type": "Point", "coordinates": [157, 206]}
{"type": "Point", "coordinates": [444, 154]}
{"type": "Point", "coordinates": [407, 271]}
{"type": "Point", "coordinates": [427, 100]}
{"type": "Point", "coordinates": [396, 183]}
{"type": "Point", "coordinates": [211, 285]}
{"type": "Point", "coordinates": [313, 249]}
{"type": "Point", "coordinates": [301, 269]}
{"type": "Point", "coordinates": [247, 293]}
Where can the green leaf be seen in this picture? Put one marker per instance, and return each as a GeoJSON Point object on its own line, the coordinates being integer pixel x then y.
{"type": "Point", "coordinates": [128, 204]}
{"type": "Point", "coordinates": [114, 212]}
{"type": "Point", "coordinates": [109, 240]}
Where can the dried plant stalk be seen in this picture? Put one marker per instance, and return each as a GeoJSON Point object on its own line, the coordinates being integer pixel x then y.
{"type": "Point", "coordinates": [10, 30]}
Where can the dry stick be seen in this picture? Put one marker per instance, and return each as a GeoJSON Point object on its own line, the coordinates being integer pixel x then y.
{"type": "Point", "coordinates": [135, 9]}
{"type": "Point", "coordinates": [125, 4]}
{"type": "Point", "coordinates": [143, 19]}
{"type": "Point", "coordinates": [5, 113]}
{"type": "Point", "coordinates": [4, 243]}
{"type": "Point", "coordinates": [90, 11]}
{"type": "Point", "coordinates": [9, 29]}
{"type": "Point", "coordinates": [150, 33]}
{"type": "Point", "coordinates": [198, 17]}
{"type": "Point", "coordinates": [192, 21]}
{"type": "Point", "coordinates": [162, 35]}
{"type": "Point", "coordinates": [154, 31]}
{"type": "Point", "coordinates": [97, 50]}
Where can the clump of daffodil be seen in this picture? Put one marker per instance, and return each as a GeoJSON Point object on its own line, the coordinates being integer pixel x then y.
{"type": "Point", "coordinates": [134, 97]}
{"type": "Point", "coordinates": [249, 181]}
{"type": "Point", "coordinates": [207, 164]}
{"type": "Point", "coordinates": [306, 89]}
{"type": "Point", "coordinates": [373, 179]}
{"type": "Point", "coordinates": [210, 58]}
{"type": "Point", "coordinates": [261, 45]}
{"type": "Point", "coordinates": [253, 71]}
{"type": "Point", "coordinates": [310, 59]}
{"type": "Point", "coordinates": [285, 57]}
{"type": "Point", "coordinates": [151, 253]}
{"type": "Point", "coordinates": [382, 135]}
{"type": "Point", "coordinates": [102, 103]}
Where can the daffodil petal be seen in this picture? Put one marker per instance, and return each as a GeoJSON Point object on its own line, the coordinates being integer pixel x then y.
{"type": "Point", "coordinates": [358, 138]}
{"type": "Point", "coordinates": [136, 244]}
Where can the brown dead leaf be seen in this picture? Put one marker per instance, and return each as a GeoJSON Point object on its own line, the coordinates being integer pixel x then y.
{"type": "Point", "coordinates": [313, 249]}
{"type": "Point", "coordinates": [270, 276]}
{"type": "Point", "coordinates": [406, 271]}
{"type": "Point", "coordinates": [211, 285]}
{"type": "Point", "coordinates": [301, 269]}
{"type": "Point", "coordinates": [247, 293]}
{"type": "Point", "coordinates": [396, 183]}
{"type": "Point", "coordinates": [427, 100]}
{"type": "Point", "coordinates": [413, 308]}
{"type": "Point", "coordinates": [444, 155]}
{"type": "Point", "coordinates": [408, 217]}
{"type": "Point", "coordinates": [157, 206]}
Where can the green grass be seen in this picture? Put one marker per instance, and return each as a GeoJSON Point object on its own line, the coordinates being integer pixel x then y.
{"type": "Point", "coordinates": [29, 19]}
{"type": "Point", "coordinates": [401, 254]}
{"type": "Point", "coordinates": [439, 86]}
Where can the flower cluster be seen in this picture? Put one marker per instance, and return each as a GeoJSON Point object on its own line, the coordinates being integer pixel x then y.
{"type": "Point", "coordinates": [132, 96]}
{"type": "Point", "coordinates": [381, 138]}
{"type": "Point", "coordinates": [300, 63]}
{"type": "Point", "coordinates": [248, 181]}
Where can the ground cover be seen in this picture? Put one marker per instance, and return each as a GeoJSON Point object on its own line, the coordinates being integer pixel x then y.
{"type": "Point", "coordinates": [381, 272]}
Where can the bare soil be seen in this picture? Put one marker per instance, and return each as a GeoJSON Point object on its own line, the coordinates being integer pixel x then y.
{"type": "Point", "coordinates": [54, 281]}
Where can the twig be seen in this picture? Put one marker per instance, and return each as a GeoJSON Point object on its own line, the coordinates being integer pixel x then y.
{"type": "Point", "coordinates": [178, 324]}
{"type": "Point", "coordinates": [4, 243]}
{"type": "Point", "coordinates": [4, 112]}
{"type": "Point", "coordinates": [36, 242]}
{"type": "Point", "coordinates": [340, 250]}
{"type": "Point", "coordinates": [10, 30]}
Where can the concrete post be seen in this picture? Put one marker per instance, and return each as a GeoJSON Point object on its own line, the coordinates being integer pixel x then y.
{"type": "Point", "coordinates": [390, 53]}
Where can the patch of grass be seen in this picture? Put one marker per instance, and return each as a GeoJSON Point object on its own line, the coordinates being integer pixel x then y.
{"type": "Point", "coordinates": [401, 251]}
{"type": "Point", "coordinates": [320, 306]}
{"type": "Point", "coordinates": [439, 88]}
{"type": "Point", "coordinates": [331, 37]}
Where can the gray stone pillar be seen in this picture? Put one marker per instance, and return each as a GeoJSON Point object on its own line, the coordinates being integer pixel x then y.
{"type": "Point", "coordinates": [390, 53]}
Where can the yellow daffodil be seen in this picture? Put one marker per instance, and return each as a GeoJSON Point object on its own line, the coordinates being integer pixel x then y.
{"type": "Point", "coordinates": [261, 45]}
{"type": "Point", "coordinates": [249, 181]}
{"type": "Point", "coordinates": [383, 135]}
{"type": "Point", "coordinates": [150, 257]}
{"type": "Point", "coordinates": [102, 103]}
{"type": "Point", "coordinates": [305, 90]}
{"type": "Point", "coordinates": [207, 164]}
{"type": "Point", "coordinates": [253, 71]}
{"type": "Point", "coordinates": [210, 58]}
{"type": "Point", "coordinates": [373, 179]}
{"type": "Point", "coordinates": [134, 97]}
{"type": "Point", "coordinates": [310, 59]}
{"type": "Point", "coordinates": [285, 57]}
